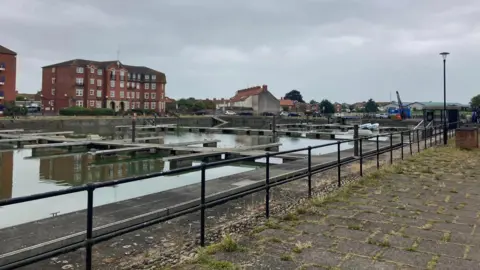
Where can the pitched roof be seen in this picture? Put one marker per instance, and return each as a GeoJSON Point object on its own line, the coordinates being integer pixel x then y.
{"type": "Point", "coordinates": [243, 94]}
{"type": "Point", "coordinates": [4, 50]}
{"type": "Point", "coordinates": [286, 102]}
{"type": "Point", "coordinates": [104, 64]}
{"type": "Point", "coordinates": [169, 100]}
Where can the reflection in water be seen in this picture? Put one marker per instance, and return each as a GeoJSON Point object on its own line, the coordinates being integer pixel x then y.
{"type": "Point", "coordinates": [6, 175]}
{"type": "Point", "coordinates": [78, 170]}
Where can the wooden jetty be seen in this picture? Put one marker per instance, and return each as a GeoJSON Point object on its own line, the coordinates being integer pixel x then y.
{"type": "Point", "coordinates": [7, 131]}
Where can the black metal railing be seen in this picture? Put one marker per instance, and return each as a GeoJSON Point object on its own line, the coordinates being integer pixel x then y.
{"type": "Point", "coordinates": [430, 136]}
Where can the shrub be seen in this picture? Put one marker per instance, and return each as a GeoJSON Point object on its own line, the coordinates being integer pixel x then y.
{"type": "Point", "coordinates": [80, 111]}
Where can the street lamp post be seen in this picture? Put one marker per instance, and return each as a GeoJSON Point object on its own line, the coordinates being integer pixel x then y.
{"type": "Point", "coordinates": [444, 56]}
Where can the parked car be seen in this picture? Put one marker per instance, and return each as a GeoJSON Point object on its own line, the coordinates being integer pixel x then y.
{"type": "Point", "coordinates": [284, 113]}
{"type": "Point", "coordinates": [381, 115]}
{"type": "Point", "coordinates": [293, 114]}
{"type": "Point", "coordinates": [202, 112]}
{"type": "Point", "coordinates": [230, 113]}
{"type": "Point", "coordinates": [245, 113]}
{"type": "Point", "coordinates": [268, 114]}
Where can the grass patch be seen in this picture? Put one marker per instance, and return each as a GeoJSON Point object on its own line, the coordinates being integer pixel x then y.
{"type": "Point", "coordinates": [299, 246]}
{"type": "Point", "coordinates": [433, 262]}
{"type": "Point", "coordinates": [208, 262]}
{"type": "Point", "coordinates": [286, 257]}
{"type": "Point", "coordinates": [228, 244]}
{"type": "Point", "coordinates": [446, 236]}
{"type": "Point", "coordinates": [290, 217]}
{"type": "Point", "coordinates": [460, 206]}
{"type": "Point", "coordinates": [414, 246]}
{"type": "Point", "coordinates": [272, 225]}
{"type": "Point", "coordinates": [354, 227]}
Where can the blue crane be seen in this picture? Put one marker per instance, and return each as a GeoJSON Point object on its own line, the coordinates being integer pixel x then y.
{"type": "Point", "coordinates": [401, 110]}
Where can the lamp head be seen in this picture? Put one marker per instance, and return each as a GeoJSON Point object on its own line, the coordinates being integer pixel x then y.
{"type": "Point", "coordinates": [444, 55]}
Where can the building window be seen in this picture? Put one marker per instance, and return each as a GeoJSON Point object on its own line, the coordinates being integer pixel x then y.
{"type": "Point", "coordinates": [147, 86]}
{"type": "Point", "coordinates": [154, 86]}
{"type": "Point", "coordinates": [152, 105]}
{"type": "Point", "coordinates": [79, 92]}
{"type": "Point", "coordinates": [138, 95]}
{"type": "Point", "coordinates": [112, 84]}
{"type": "Point", "coordinates": [122, 75]}
{"type": "Point", "coordinates": [138, 85]}
{"type": "Point", "coordinates": [147, 77]}
{"type": "Point", "coordinates": [79, 103]}
{"type": "Point", "coordinates": [99, 93]}
{"type": "Point", "coordinates": [99, 104]}
{"type": "Point", "coordinates": [163, 96]}
{"type": "Point", "coordinates": [53, 92]}
{"type": "Point", "coordinates": [80, 70]}
{"type": "Point", "coordinates": [92, 103]}
{"type": "Point", "coordinates": [132, 106]}
{"type": "Point", "coordinates": [92, 92]}
{"type": "Point", "coordinates": [112, 94]}
{"type": "Point", "coordinates": [122, 94]}
{"type": "Point", "coordinates": [53, 80]}
{"type": "Point", "coordinates": [145, 105]}
{"type": "Point", "coordinates": [146, 96]}
{"type": "Point", "coordinates": [153, 95]}
{"type": "Point", "coordinates": [53, 69]}
{"type": "Point", "coordinates": [127, 106]}
{"type": "Point", "coordinates": [92, 81]}
{"type": "Point", "coordinates": [138, 104]}
{"type": "Point", "coordinates": [99, 82]}
{"type": "Point", "coordinates": [154, 77]}
{"type": "Point", "coordinates": [79, 81]}
{"type": "Point", "coordinates": [92, 70]}
{"type": "Point", "coordinates": [133, 76]}
{"type": "Point", "coordinates": [122, 84]}
{"type": "Point", "coordinates": [99, 71]}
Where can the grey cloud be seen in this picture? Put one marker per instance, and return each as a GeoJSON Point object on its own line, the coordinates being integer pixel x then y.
{"type": "Point", "coordinates": [346, 50]}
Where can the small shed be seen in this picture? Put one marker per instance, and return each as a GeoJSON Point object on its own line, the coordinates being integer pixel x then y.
{"type": "Point", "coordinates": [433, 112]}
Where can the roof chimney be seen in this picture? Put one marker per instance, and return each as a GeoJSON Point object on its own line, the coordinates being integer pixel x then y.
{"type": "Point", "coordinates": [265, 87]}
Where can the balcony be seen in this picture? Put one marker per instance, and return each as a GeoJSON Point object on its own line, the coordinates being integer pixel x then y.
{"type": "Point", "coordinates": [79, 83]}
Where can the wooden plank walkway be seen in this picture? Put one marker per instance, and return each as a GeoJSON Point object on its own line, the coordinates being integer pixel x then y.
{"type": "Point", "coordinates": [53, 145]}
{"type": "Point", "coordinates": [11, 130]}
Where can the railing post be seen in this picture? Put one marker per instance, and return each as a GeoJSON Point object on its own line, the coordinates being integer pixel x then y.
{"type": "Point", "coordinates": [378, 153]}
{"type": "Point", "coordinates": [425, 137]}
{"type": "Point", "coordinates": [401, 142]}
{"type": "Point", "coordinates": [431, 136]}
{"type": "Point", "coordinates": [309, 172]}
{"type": "Point", "coordinates": [361, 158]}
{"type": "Point", "coordinates": [418, 141]}
{"type": "Point", "coordinates": [338, 165]}
{"type": "Point", "coordinates": [391, 148]}
{"type": "Point", "coordinates": [410, 142]}
{"type": "Point", "coordinates": [267, 186]}
{"type": "Point", "coordinates": [88, 243]}
{"type": "Point", "coordinates": [355, 142]}
{"type": "Point", "coordinates": [202, 206]}
{"type": "Point", "coordinates": [435, 134]}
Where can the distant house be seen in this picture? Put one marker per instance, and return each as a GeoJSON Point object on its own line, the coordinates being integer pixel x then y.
{"type": "Point", "coordinates": [221, 103]}
{"type": "Point", "coordinates": [287, 104]}
{"type": "Point", "coordinates": [418, 105]}
{"type": "Point", "coordinates": [256, 98]}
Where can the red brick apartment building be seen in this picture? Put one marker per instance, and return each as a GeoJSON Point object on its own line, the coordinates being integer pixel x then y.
{"type": "Point", "coordinates": [8, 76]}
{"type": "Point", "coordinates": [108, 84]}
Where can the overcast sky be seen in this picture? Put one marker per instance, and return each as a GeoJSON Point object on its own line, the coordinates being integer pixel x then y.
{"type": "Point", "coordinates": [343, 50]}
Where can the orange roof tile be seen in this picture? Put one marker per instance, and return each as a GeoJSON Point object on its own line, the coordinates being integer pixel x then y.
{"type": "Point", "coordinates": [248, 92]}
{"type": "Point", "coordinates": [286, 102]}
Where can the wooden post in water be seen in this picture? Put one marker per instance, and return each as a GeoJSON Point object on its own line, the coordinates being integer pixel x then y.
{"type": "Point", "coordinates": [134, 120]}
{"type": "Point", "coordinates": [355, 137]}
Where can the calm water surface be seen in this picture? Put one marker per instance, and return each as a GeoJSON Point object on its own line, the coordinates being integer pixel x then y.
{"type": "Point", "coordinates": [21, 175]}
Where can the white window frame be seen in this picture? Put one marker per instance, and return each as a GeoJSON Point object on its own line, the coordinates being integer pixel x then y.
{"type": "Point", "coordinates": [147, 86]}
{"type": "Point", "coordinates": [112, 94]}
{"type": "Point", "coordinates": [147, 77]}
{"type": "Point", "coordinates": [112, 84]}
{"type": "Point", "coordinates": [91, 103]}
{"type": "Point", "coordinates": [138, 85]}
{"type": "Point", "coordinates": [99, 93]}
{"type": "Point", "coordinates": [79, 92]}
{"type": "Point", "coordinates": [99, 82]}
{"type": "Point", "coordinates": [79, 80]}
{"type": "Point", "coordinates": [153, 95]}
{"type": "Point", "coordinates": [154, 77]}
{"type": "Point", "coordinates": [146, 95]}
{"type": "Point", "coordinates": [154, 86]}
{"type": "Point", "coordinates": [99, 71]}
{"type": "Point", "coordinates": [122, 94]}
{"type": "Point", "coordinates": [92, 70]}
{"type": "Point", "coordinates": [92, 81]}
{"type": "Point", "coordinates": [79, 103]}
{"type": "Point", "coordinates": [53, 69]}
{"type": "Point", "coordinates": [54, 80]}
{"type": "Point", "coordinates": [138, 95]}
{"type": "Point", "coordinates": [80, 70]}
{"type": "Point", "coordinates": [138, 104]}
{"type": "Point", "coordinates": [98, 104]}
{"type": "Point", "coordinates": [53, 91]}
{"type": "Point", "coordinates": [122, 84]}
{"type": "Point", "coordinates": [122, 73]}
{"type": "Point", "coordinates": [152, 105]}
{"type": "Point", "coordinates": [145, 105]}
{"type": "Point", "coordinates": [92, 92]}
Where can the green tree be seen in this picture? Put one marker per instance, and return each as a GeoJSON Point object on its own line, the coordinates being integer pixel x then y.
{"type": "Point", "coordinates": [475, 101]}
{"type": "Point", "coordinates": [313, 102]}
{"type": "Point", "coordinates": [326, 106]}
{"type": "Point", "coordinates": [371, 106]}
{"type": "Point", "coordinates": [20, 98]}
{"type": "Point", "coordinates": [294, 95]}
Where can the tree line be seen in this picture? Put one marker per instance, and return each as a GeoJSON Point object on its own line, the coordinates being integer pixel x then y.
{"type": "Point", "coordinates": [326, 106]}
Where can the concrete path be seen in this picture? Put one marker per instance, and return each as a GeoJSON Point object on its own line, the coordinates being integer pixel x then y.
{"type": "Point", "coordinates": [420, 214]}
